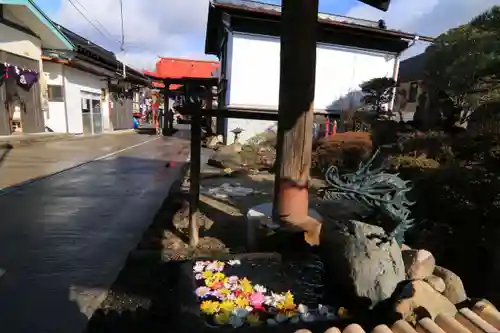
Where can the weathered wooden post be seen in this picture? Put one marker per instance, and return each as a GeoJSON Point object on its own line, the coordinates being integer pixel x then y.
{"type": "Point", "coordinates": [296, 108]}
{"type": "Point", "coordinates": [195, 169]}
{"type": "Point", "coordinates": [166, 107]}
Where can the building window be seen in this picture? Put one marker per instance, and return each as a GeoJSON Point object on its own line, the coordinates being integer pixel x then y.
{"type": "Point", "coordinates": [412, 96]}
{"type": "Point", "coordinates": [55, 93]}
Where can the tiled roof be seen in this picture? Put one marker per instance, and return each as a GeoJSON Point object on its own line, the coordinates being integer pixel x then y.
{"type": "Point", "coordinates": [482, 318]}
{"type": "Point", "coordinates": [179, 68]}
{"type": "Point", "coordinates": [273, 9]}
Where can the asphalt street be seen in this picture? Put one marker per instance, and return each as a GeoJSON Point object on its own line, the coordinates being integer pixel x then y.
{"type": "Point", "coordinates": [64, 238]}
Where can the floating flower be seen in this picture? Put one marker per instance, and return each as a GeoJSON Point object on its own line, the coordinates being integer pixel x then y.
{"type": "Point", "coordinates": [302, 308]}
{"type": "Point", "coordinates": [207, 274]}
{"type": "Point", "coordinates": [227, 306]}
{"type": "Point", "coordinates": [209, 307]}
{"type": "Point", "coordinates": [246, 286]}
{"type": "Point", "coordinates": [287, 303]}
{"type": "Point", "coordinates": [236, 321]}
{"type": "Point", "coordinates": [202, 292]}
{"type": "Point", "coordinates": [198, 276]}
{"type": "Point", "coordinates": [240, 312]}
{"type": "Point", "coordinates": [224, 292]}
{"type": "Point", "coordinates": [307, 317]}
{"type": "Point", "coordinates": [253, 320]}
{"type": "Point", "coordinates": [215, 266]}
{"type": "Point", "coordinates": [199, 267]}
{"type": "Point", "coordinates": [241, 302]}
{"type": "Point", "coordinates": [216, 285]}
{"type": "Point", "coordinates": [274, 299]}
{"type": "Point", "coordinates": [222, 318]}
{"type": "Point", "coordinates": [219, 276]}
{"type": "Point", "coordinates": [233, 279]}
{"type": "Point", "coordinates": [234, 262]}
{"type": "Point", "coordinates": [257, 300]}
{"type": "Point", "coordinates": [260, 289]}
{"type": "Point", "coordinates": [343, 313]}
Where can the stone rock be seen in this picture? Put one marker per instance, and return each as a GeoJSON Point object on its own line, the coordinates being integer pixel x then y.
{"type": "Point", "coordinates": [226, 157]}
{"type": "Point", "coordinates": [423, 302]}
{"type": "Point", "coordinates": [361, 270]}
{"type": "Point", "coordinates": [419, 264]}
{"type": "Point", "coordinates": [454, 290]}
{"type": "Point", "coordinates": [436, 282]}
{"type": "Point", "coordinates": [213, 141]}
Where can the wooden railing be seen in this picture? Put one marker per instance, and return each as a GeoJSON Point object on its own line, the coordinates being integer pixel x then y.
{"type": "Point", "coordinates": [482, 318]}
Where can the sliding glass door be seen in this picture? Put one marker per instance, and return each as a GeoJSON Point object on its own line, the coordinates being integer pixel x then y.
{"type": "Point", "coordinates": [91, 113]}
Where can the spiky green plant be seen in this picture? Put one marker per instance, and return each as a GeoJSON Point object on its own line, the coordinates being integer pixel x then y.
{"type": "Point", "coordinates": [382, 194]}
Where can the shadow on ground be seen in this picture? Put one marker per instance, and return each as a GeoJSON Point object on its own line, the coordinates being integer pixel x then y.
{"type": "Point", "coordinates": [75, 236]}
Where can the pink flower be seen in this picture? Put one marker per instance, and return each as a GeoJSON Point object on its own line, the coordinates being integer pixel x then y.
{"type": "Point", "coordinates": [256, 300]}
{"type": "Point", "coordinates": [202, 291]}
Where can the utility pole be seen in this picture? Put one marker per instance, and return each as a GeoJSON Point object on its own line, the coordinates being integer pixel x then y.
{"type": "Point", "coordinates": [299, 21]}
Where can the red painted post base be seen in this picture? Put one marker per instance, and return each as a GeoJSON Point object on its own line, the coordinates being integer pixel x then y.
{"type": "Point", "coordinates": [293, 199]}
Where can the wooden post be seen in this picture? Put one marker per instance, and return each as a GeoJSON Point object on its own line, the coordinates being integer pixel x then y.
{"type": "Point", "coordinates": [166, 107]}
{"type": "Point", "coordinates": [296, 107]}
{"type": "Point", "coordinates": [194, 174]}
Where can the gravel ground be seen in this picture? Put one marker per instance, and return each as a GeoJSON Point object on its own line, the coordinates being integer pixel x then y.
{"type": "Point", "coordinates": [145, 296]}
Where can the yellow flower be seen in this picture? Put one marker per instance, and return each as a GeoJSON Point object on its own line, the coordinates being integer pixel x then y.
{"type": "Point", "coordinates": [241, 302]}
{"type": "Point", "coordinates": [222, 318]}
{"type": "Point", "coordinates": [225, 292]}
{"type": "Point", "coordinates": [253, 319]}
{"type": "Point", "coordinates": [288, 302]}
{"type": "Point", "coordinates": [209, 307]}
{"type": "Point", "coordinates": [290, 313]}
{"type": "Point", "coordinates": [227, 306]}
{"type": "Point", "coordinates": [246, 286]}
{"type": "Point", "coordinates": [219, 276]}
{"type": "Point", "coordinates": [207, 274]}
{"type": "Point", "coordinates": [343, 313]}
{"type": "Point", "coordinates": [210, 281]}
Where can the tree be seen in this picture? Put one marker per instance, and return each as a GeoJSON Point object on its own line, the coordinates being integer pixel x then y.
{"type": "Point", "coordinates": [464, 63]}
{"type": "Point", "coordinates": [378, 92]}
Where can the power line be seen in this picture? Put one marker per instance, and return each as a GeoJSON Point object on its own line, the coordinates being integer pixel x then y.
{"type": "Point", "coordinates": [107, 37]}
{"type": "Point", "coordinates": [122, 46]}
{"type": "Point", "coordinates": [95, 20]}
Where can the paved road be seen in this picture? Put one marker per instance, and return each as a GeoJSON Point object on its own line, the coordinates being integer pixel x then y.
{"type": "Point", "coordinates": [64, 239]}
{"type": "Point", "coordinates": [24, 163]}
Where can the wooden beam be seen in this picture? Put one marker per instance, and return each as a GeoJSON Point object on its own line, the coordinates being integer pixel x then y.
{"type": "Point", "coordinates": [299, 21]}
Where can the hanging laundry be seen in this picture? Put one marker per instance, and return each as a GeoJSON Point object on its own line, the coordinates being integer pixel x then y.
{"type": "Point", "coordinates": [26, 79]}
{"type": "Point", "coordinates": [3, 73]}
{"type": "Point", "coordinates": [13, 72]}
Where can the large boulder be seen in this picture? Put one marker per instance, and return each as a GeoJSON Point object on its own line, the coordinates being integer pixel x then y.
{"type": "Point", "coordinates": [419, 264]}
{"type": "Point", "coordinates": [362, 271]}
{"type": "Point", "coordinates": [454, 290]}
{"type": "Point", "coordinates": [227, 157]}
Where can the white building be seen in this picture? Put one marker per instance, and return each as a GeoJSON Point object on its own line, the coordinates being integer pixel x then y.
{"type": "Point", "coordinates": [24, 32]}
{"type": "Point", "coordinates": [86, 90]}
{"type": "Point", "coordinates": [245, 36]}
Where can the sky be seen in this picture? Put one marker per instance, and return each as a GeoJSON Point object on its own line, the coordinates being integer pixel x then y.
{"type": "Point", "coordinates": [176, 28]}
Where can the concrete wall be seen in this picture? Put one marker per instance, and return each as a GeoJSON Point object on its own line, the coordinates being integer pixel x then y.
{"type": "Point", "coordinates": [67, 116]}
{"type": "Point", "coordinates": [253, 76]}
{"type": "Point", "coordinates": [20, 43]}
{"type": "Point", "coordinates": [76, 82]}
{"type": "Point", "coordinates": [55, 118]}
